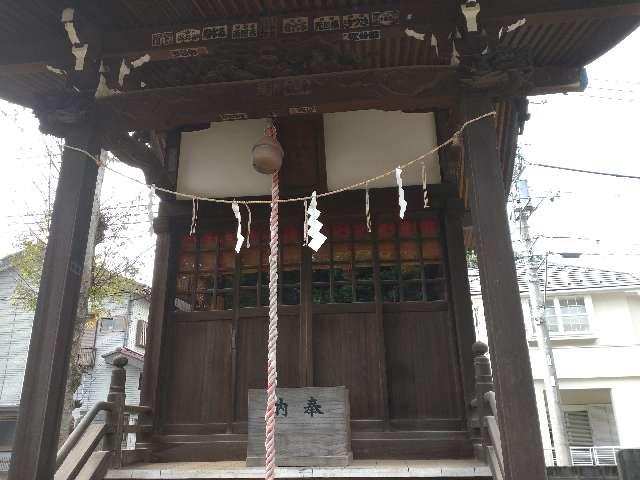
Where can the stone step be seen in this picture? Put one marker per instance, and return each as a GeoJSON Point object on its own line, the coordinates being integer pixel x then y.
{"type": "Point", "coordinates": [449, 469]}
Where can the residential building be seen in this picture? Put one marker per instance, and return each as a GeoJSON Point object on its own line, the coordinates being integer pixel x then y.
{"type": "Point", "coordinates": [122, 332]}
{"type": "Point", "coordinates": [594, 324]}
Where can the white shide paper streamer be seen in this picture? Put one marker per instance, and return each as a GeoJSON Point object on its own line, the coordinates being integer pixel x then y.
{"type": "Point", "coordinates": [314, 225]}
{"type": "Point", "coordinates": [239, 238]}
{"type": "Point", "coordinates": [401, 201]}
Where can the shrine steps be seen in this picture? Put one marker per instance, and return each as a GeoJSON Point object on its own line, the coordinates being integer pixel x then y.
{"type": "Point", "coordinates": [360, 469]}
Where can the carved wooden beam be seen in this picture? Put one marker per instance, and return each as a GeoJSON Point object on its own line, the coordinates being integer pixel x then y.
{"type": "Point", "coordinates": [330, 26]}
{"type": "Point", "coordinates": [136, 154]}
{"type": "Point", "coordinates": [398, 88]}
{"type": "Point", "coordinates": [180, 40]}
{"type": "Point", "coordinates": [401, 88]}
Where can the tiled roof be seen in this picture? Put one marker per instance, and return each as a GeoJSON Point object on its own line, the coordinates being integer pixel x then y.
{"type": "Point", "coordinates": [126, 352]}
{"type": "Point", "coordinates": [567, 277]}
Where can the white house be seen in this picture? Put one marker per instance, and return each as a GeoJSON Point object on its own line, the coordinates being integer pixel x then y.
{"type": "Point", "coordinates": [594, 322]}
{"type": "Point", "coordinates": [122, 332]}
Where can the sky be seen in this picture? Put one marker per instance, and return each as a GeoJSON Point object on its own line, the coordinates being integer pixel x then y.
{"type": "Point", "coordinates": [595, 130]}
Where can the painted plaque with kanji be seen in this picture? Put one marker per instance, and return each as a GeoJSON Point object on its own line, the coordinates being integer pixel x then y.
{"type": "Point", "coordinates": [312, 427]}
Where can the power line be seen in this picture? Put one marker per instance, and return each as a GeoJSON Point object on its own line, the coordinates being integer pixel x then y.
{"type": "Point", "coordinates": [599, 97]}
{"type": "Point", "coordinates": [578, 170]}
{"type": "Point", "coordinates": [623, 90]}
{"type": "Point", "coordinates": [611, 80]}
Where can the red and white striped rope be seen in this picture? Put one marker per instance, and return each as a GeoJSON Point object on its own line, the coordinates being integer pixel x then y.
{"type": "Point", "coordinates": [272, 373]}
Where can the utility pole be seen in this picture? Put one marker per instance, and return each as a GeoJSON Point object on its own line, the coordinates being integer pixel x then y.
{"type": "Point", "coordinates": [537, 303]}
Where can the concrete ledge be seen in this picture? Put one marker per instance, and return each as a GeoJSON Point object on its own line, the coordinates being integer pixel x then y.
{"type": "Point", "coordinates": [629, 464]}
{"type": "Point", "coordinates": [583, 473]}
{"type": "Point", "coordinates": [359, 469]}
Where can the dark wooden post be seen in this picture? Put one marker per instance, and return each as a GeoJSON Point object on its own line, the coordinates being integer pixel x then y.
{"type": "Point", "coordinates": [36, 440]}
{"type": "Point", "coordinates": [517, 412]}
{"type": "Point", "coordinates": [115, 417]}
{"type": "Point", "coordinates": [150, 389]}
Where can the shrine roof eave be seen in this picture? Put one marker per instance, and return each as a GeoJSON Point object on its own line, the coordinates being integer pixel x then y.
{"type": "Point", "coordinates": [559, 34]}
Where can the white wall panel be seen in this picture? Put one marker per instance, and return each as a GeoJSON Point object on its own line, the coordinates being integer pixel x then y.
{"type": "Point", "coordinates": [358, 145]}
{"type": "Point", "coordinates": [365, 143]}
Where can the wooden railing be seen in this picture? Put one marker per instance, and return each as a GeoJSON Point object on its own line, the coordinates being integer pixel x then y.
{"type": "Point", "coordinates": [484, 423]}
{"type": "Point", "coordinates": [78, 457]}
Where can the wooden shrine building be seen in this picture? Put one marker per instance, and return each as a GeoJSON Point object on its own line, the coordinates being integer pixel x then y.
{"type": "Point", "coordinates": [183, 88]}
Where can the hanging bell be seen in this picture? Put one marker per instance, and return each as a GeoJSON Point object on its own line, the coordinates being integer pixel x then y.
{"type": "Point", "coordinates": [266, 155]}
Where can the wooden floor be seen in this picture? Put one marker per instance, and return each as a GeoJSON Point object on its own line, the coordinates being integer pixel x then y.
{"type": "Point", "coordinates": [359, 469]}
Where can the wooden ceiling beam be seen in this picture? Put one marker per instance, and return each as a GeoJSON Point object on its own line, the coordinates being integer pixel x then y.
{"type": "Point", "coordinates": [397, 88]}
{"type": "Point", "coordinates": [400, 88]}
{"type": "Point", "coordinates": [547, 80]}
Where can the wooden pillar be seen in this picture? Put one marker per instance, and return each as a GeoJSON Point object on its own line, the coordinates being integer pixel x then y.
{"type": "Point", "coordinates": [152, 371]}
{"type": "Point", "coordinates": [36, 440]}
{"type": "Point", "coordinates": [517, 412]}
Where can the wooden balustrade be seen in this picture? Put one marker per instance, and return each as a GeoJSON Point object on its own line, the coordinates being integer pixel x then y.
{"type": "Point", "coordinates": [484, 424]}
{"type": "Point", "coordinates": [78, 457]}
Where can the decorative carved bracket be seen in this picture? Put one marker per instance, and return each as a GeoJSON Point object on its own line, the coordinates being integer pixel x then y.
{"type": "Point", "coordinates": [503, 71]}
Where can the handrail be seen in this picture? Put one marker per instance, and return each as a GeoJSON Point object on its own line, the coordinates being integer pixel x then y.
{"type": "Point", "coordinates": [137, 409]}
{"type": "Point", "coordinates": [490, 397]}
{"type": "Point", "coordinates": [494, 435]}
{"type": "Point", "coordinates": [84, 440]}
{"type": "Point", "coordinates": [77, 433]}
{"type": "Point", "coordinates": [485, 413]}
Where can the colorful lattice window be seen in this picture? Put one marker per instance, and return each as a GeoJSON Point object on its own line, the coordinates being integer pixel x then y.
{"type": "Point", "coordinates": [409, 256]}
{"type": "Point", "coordinates": [401, 260]}
{"type": "Point", "coordinates": [343, 267]}
{"type": "Point", "coordinates": [411, 261]}
{"type": "Point", "coordinates": [208, 267]}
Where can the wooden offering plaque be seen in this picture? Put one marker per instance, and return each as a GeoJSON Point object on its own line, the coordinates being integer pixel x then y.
{"type": "Point", "coordinates": [312, 427]}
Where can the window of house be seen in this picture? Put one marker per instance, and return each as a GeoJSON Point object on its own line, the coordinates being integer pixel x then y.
{"type": "Point", "coordinates": [590, 425]}
{"type": "Point", "coordinates": [579, 432]}
{"type": "Point", "coordinates": [566, 315]}
{"type": "Point", "coordinates": [113, 324]}
{"type": "Point", "coordinates": [141, 333]}
{"type": "Point", "coordinates": [106, 324]}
